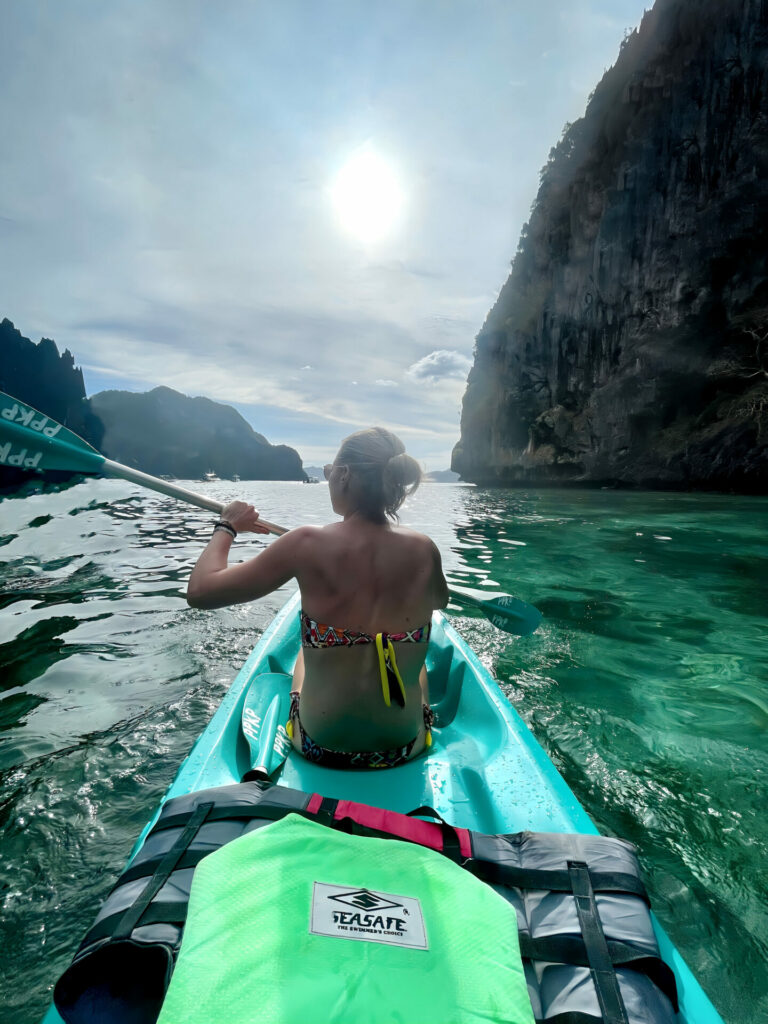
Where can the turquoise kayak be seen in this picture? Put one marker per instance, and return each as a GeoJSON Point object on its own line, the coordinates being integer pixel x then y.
{"type": "Point", "coordinates": [485, 771]}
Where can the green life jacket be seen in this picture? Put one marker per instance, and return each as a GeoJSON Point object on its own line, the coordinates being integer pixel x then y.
{"type": "Point", "coordinates": [293, 923]}
{"type": "Point", "coordinates": [583, 919]}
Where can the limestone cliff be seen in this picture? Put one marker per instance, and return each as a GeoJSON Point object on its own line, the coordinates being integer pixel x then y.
{"type": "Point", "coordinates": [629, 344]}
{"type": "Point", "coordinates": [47, 380]}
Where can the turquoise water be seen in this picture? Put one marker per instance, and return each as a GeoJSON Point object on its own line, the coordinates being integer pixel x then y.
{"type": "Point", "coordinates": [647, 685]}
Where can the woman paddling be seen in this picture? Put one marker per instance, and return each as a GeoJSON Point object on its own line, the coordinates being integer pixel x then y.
{"type": "Point", "coordinates": [368, 590]}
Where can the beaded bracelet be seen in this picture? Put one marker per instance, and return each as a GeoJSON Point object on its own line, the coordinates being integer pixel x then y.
{"type": "Point", "coordinates": [222, 524]}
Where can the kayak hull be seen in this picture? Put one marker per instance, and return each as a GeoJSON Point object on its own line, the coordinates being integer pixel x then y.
{"type": "Point", "coordinates": [485, 771]}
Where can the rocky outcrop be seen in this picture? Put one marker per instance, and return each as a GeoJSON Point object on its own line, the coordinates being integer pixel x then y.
{"type": "Point", "coordinates": [40, 376]}
{"type": "Point", "coordinates": [159, 432]}
{"type": "Point", "coordinates": [441, 476]}
{"type": "Point", "coordinates": [164, 432]}
{"type": "Point", "coordinates": [630, 343]}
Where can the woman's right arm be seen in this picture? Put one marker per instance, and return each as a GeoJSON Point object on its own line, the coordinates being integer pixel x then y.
{"type": "Point", "coordinates": [214, 584]}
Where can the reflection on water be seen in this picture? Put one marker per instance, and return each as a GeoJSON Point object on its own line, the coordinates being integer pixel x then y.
{"type": "Point", "coordinates": [646, 684]}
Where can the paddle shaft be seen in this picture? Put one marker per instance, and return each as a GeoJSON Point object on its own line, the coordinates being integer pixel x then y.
{"type": "Point", "coordinates": [154, 483]}
{"type": "Point", "coordinates": [45, 444]}
{"type": "Point", "coordinates": [529, 619]}
{"type": "Point", "coordinates": [35, 441]}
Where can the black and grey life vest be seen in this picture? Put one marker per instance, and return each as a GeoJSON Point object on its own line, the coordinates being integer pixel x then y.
{"type": "Point", "coordinates": [589, 951]}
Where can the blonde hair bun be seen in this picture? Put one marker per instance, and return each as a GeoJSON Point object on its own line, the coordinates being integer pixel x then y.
{"type": "Point", "coordinates": [402, 469]}
{"type": "Point", "coordinates": [383, 474]}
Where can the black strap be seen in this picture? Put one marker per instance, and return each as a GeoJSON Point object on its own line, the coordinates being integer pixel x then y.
{"type": "Point", "coordinates": [191, 858]}
{"type": "Point", "coordinates": [233, 812]}
{"type": "Point", "coordinates": [451, 844]}
{"type": "Point", "coordinates": [353, 827]}
{"type": "Point", "coordinates": [497, 874]}
{"type": "Point", "coordinates": [133, 914]}
{"type": "Point", "coordinates": [570, 949]}
{"type": "Point", "coordinates": [188, 859]}
{"type": "Point", "coordinates": [600, 963]}
{"type": "Point", "coordinates": [555, 880]}
{"type": "Point", "coordinates": [222, 812]}
{"type": "Point", "coordinates": [570, 1017]}
{"type": "Point", "coordinates": [324, 814]}
{"type": "Point", "coordinates": [159, 912]}
{"type": "Point", "coordinates": [488, 871]}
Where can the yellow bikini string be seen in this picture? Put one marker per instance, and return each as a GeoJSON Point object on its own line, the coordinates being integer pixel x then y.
{"type": "Point", "coordinates": [387, 660]}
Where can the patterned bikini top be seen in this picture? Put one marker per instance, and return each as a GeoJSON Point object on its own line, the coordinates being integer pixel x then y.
{"type": "Point", "coordinates": [318, 634]}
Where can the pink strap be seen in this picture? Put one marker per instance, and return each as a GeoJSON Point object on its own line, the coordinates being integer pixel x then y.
{"type": "Point", "coordinates": [425, 833]}
{"type": "Point", "coordinates": [314, 803]}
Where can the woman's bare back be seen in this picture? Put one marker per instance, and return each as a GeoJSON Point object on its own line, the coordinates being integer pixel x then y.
{"type": "Point", "coordinates": [372, 579]}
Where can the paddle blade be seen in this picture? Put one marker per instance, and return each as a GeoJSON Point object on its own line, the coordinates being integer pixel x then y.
{"type": "Point", "coordinates": [265, 714]}
{"type": "Point", "coordinates": [507, 613]}
{"type": "Point", "coordinates": [31, 440]}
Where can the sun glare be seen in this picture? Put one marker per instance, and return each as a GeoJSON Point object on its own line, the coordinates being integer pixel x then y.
{"type": "Point", "coordinates": [368, 197]}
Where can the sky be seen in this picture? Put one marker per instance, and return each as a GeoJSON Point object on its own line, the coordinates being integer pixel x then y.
{"type": "Point", "coordinates": [302, 208]}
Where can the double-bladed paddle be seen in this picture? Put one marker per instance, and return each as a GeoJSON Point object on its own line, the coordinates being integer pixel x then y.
{"type": "Point", "coordinates": [31, 440]}
{"type": "Point", "coordinates": [265, 713]}
{"type": "Point", "coordinates": [502, 609]}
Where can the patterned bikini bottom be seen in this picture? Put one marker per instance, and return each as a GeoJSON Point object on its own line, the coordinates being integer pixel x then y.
{"type": "Point", "coordinates": [353, 758]}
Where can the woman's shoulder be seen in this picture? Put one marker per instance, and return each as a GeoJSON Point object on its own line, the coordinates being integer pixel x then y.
{"type": "Point", "coordinates": [309, 534]}
{"type": "Point", "coordinates": [413, 537]}
{"type": "Point", "coordinates": [300, 541]}
{"type": "Point", "coordinates": [358, 535]}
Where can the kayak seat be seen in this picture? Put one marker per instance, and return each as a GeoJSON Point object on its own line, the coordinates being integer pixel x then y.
{"type": "Point", "coordinates": [444, 684]}
{"type": "Point", "coordinates": [469, 736]}
{"type": "Point", "coordinates": [483, 768]}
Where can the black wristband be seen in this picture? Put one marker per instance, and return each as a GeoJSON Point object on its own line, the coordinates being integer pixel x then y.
{"type": "Point", "coordinates": [222, 524]}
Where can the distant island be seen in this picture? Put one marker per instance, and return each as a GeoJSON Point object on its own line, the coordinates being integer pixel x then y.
{"type": "Point", "coordinates": [441, 476]}
{"type": "Point", "coordinates": [164, 432]}
{"type": "Point", "coordinates": [438, 476]}
{"type": "Point", "coordinates": [161, 431]}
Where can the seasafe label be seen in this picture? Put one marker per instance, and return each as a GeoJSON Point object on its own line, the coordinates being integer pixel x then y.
{"type": "Point", "coordinates": [367, 915]}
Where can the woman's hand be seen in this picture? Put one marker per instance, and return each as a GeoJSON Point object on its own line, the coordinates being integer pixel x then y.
{"type": "Point", "coordinates": [243, 517]}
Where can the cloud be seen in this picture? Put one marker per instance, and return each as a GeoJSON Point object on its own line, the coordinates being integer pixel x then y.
{"type": "Point", "coordinates": [442, 364]}
{"type": "Point", "coordinates": [179, 231]}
